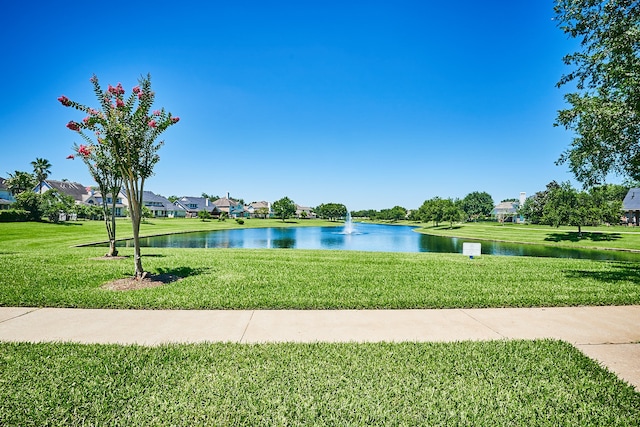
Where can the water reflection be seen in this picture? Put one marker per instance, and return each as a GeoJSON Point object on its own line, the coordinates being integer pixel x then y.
{"type": "Point", "coordinates": [368, 237]}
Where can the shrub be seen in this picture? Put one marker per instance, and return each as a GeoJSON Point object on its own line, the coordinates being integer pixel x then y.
{"type": "Point", "coordinates": [240, 221]}
{"type": "Point", "coordinates": [14, 215]}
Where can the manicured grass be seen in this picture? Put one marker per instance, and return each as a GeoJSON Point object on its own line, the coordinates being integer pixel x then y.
{"type": "Point", "coordinates": [621, 238]}
{"type": "Point", "coordinates": [51, 273]}
{"type": "Point", "coordinates": [532, 383]}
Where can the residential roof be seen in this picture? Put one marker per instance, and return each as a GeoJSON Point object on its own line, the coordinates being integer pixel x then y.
{"type": "Point", "coordinates": [631, 201]}
{"type": "Point", "coordinates": [225, 202]}
{"type": "Point", "coordinates": [258, 205]}
{"type": "Point", "coordinates": [506, 207]}
{"type": "Point", "coordinates": [149, 196]}
{"type": "Point", "coordinates": [74, 189]}
{"type": "Point", "coordinates": [200, 202]}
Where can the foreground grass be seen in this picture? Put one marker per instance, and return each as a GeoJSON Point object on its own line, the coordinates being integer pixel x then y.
{"type": "Point", "coordinates": [301, 279]}
{"type": "Point", "coordinates": [41, 269]}
{"type": "Point", "coordinates": [470, 383]}
{"type": "Point", "coordinates": [609, 238]}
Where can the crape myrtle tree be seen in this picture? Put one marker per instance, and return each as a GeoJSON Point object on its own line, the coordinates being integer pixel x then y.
{"type": "Point", "coordinates": [104, 171]}
{"type": "Point", "coordinates": [604, 109]}
{"type": "Point", "coordinates": [127, 129]}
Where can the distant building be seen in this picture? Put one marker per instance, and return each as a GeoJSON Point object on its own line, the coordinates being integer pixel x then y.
{"type": "Point", "coordinates": [508, 211]}
{"type": "Point", "coordinates": [193, 205]}
{"type": "Point", "coordinates": [161, 207]}
{"type": "Point", "coordinates": [6, 198]}
{"type": "Point", "coordinates": [631, 207]}
{"type": "Point", "coordinates": [79, 192]}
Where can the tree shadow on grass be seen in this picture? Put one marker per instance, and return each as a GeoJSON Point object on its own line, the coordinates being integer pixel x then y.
{"type": "Point", "coordinates": [573, 236]}
{"type": "Point", "coordinates": [620, 272]}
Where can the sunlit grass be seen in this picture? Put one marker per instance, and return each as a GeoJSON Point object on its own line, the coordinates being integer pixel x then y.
{"type": "Point", "coordinates": [41, 268]}
{"type": "Point", "coordinates": [618, 237]}
{"type": "Point", "coordinates": [469, 383]}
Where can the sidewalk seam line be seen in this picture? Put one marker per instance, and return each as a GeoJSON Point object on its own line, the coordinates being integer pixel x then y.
{"type": "Point", "coordinates": [246, 327]}
{"type": "Point", "coordinates": [482, 323]}
{"type": "Point", "coordinates": [20, 315]}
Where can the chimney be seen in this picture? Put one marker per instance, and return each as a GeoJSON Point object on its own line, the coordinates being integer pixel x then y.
{"type": "Point", "coordinates": [206, 201]}
{"type": "Point", "coordinates": [228, 195]}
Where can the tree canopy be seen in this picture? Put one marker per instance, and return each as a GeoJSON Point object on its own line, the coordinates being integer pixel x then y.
{"type": "Point", "coordinates": [284, 208]}
{"type": "Point", "coordinates": [477, 205]}
{"type": "Point", "coordinates": [604, 110]}
{"type": "Point", "coordinates": [331, 211]}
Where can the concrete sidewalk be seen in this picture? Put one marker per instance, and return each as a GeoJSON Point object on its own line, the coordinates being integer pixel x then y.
{"type": "Point", "coordinates": [610, 335]}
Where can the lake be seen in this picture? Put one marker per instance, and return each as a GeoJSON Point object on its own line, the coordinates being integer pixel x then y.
{"type": "Point", "coordinates": [366, 237]}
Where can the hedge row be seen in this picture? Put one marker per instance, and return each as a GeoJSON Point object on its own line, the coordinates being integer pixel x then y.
{"type": "Point", "coordinates": [14, 215]}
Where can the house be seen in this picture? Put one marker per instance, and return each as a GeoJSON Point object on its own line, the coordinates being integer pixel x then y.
{"type": "Point", "coordinates": [95, 199]}
{"type": "Point", "coordinates": [6, 198]}
{"type": "Point", "coordinates": [304, 212]}
{"type": "Point", "coordinates": [233, 208]}
{"type": "Point", "coordinates": [631, 207]}
{"type": "Point", "coordinates": [258, 210]}
{"type": "Point", "coordinates": [192, 205]}
{"type": "Point", "coordinates": [506, 211]}
{"type": "Point", "coordinates": [79, 192]}
{"type": "Point", "coordinates": [161, 207]}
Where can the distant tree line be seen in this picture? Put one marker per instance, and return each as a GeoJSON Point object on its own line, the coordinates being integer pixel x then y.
{"type": "Point", "coordinates": [561, 204]}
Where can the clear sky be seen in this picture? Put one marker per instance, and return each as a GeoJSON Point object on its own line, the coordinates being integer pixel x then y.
{"type": "Point", "coordinates": [367, 103]}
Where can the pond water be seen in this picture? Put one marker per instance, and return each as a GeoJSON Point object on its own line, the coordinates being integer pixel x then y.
{"type": "Point", "coordinates": [363, 237]}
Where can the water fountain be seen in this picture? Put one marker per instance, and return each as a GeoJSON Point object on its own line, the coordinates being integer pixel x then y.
{"type": "Point", "coordinates": [348, 225]}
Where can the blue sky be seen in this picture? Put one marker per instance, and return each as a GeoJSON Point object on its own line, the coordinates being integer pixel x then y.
{"type": "Point", "coordinates": [368, 103]}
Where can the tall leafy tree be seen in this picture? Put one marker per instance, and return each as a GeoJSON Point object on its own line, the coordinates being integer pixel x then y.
{"type": "Point", "coordinates": [128, 130]}
{"type": "Point", "coordinates": [331, 211]}
{"type": "Point", "coordinates": [284, 208]}
{"type": "Point", "coordinates": [533, 208]}
{"type": "Point", "coordinates": [41, 169]}
{"type": "Point", "coordinates": [477, 204]}
{"type": "Point", "coordinates": [568, 206]}
{"type": "Point", "coordinates": [604, 110]}
{"type": "Point", "coordinates": [19, 182]}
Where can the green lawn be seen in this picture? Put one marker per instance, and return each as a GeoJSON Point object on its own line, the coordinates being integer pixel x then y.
{"type": "Point", "coordinates": [40, 268]}
{"type": "Point", "coordinates": [504, 383]}
{"type": "Point", "coordinates": [466, 383]}
{"type": "Point", "coordinates": [619, 238]}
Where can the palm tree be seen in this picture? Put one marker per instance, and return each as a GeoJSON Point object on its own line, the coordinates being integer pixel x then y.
{"type": "Point", "coordinates": [41, 169]}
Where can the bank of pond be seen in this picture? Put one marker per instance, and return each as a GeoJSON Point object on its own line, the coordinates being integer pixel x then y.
{"type": "Point", "coordinates": [364, 237]}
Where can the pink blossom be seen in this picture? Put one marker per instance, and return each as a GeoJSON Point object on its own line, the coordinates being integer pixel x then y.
{"type": "Point", "coordinates": [119, 89]}
{"type": "Point", "coordinates": [111, 89]}
{"type": "Point", "coordinates": [119, 102]}
{"type": "Point", "coordinates": [152, 123]}
{"type": "Point", "coordinates": [64, 101]}
{"type": "Point", "coordinates": [84, 151]}
{"type": "Point", "coordinates": [71, 156]}
{"type": "Point", "coordinates": [136, 89]}
{"type": "Point", "coordinates": [156, 113]}
{"type": "Point", "coordinates": [86, 119]}
{"type": "Point", "coordinates": [175, 119]}
{"type": "Point", "coordinates": [73, 125]}
{"type": "Point", "coordinates": [94, 112]}
{"type": "Point", "coordinates": [140, 94]}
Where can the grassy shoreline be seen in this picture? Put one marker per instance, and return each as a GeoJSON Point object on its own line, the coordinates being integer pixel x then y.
{"type": "Point", "coordinates": [616, 238]}
{"type": "Point", "coordinates": [42, 267]}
